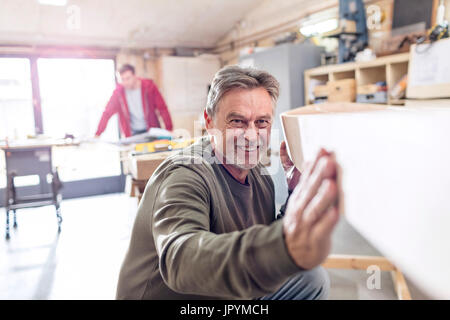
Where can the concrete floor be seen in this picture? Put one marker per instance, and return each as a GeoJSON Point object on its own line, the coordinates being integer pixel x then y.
{"type": "Point", "coordinates": [83, 262]}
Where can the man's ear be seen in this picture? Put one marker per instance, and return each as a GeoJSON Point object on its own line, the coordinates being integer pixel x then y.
{"type": "Point", "coordinates": [208, 120]}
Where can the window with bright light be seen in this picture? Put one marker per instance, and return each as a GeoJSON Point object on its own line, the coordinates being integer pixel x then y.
{"type": "Point", "coordinates": [16, 104]}
{"type": "Point", "coordinates": [74, 93]}
{"type": "Point", "coordinates": [316, 24]}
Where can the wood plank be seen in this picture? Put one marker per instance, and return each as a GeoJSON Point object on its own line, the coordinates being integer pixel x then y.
{"type": "Point", "coordinates": [393, 176]}
{"type": "Point", "coordinates": [357, 262]}
{"type": "Point", "coordinates": [427, 103]}
{"type": "Point", "coordinates": [396, 58]}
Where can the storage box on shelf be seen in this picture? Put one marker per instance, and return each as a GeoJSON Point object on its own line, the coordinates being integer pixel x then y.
{"type": "Point", "coordinates": [342, 90]}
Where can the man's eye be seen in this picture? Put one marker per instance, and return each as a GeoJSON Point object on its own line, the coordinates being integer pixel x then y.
{"type": "Point", "coordinates": [262, 123]}
{"type": "Point", "coordinates": [236, 121]}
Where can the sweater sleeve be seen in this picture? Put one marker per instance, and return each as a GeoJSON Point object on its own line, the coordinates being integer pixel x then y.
{"type": "Point", "coordinates": [193, 260]}
{"type": "Point", "coordinates": [111, 108]}
{"type": "Point", "coordinates": [161, 106]}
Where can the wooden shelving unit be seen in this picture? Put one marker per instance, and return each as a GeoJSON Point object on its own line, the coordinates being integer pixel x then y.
{"type": "Point", "coordinates": [388, 68]}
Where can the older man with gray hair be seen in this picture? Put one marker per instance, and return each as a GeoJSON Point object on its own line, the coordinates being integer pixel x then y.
{"type": "Point", "coordinates": [207, 226]}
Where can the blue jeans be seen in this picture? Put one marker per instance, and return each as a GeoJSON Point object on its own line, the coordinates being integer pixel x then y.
{"type": "Point", "coordinates": [133, 132]}
{"type": "Point", "coordinates": [312, 284]}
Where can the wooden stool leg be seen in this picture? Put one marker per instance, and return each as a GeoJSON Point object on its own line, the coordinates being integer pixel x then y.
{"type": "Point", "coordinates": [14, 219]}
{"type": "Point", "coordinates": [7, 236]}
{"type": "Point", "coordinates": [356, 262]}
{"type": "Point", "coordinates": [137, 188]}
{"type": "Point", "coordinates": [59, 217]}
{"type": "Point", "coordinates": [400, 286]}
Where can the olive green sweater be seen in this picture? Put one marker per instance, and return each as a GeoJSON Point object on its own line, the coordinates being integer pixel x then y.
{"type": "Point", "coordinates": [201, 234]}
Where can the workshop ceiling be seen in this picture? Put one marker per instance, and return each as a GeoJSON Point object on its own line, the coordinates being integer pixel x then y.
{"type": "Point", "coordinates": [121, 23]}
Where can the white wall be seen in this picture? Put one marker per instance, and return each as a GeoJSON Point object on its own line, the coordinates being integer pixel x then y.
{"type": "Point", "coordinates": [184, 83]}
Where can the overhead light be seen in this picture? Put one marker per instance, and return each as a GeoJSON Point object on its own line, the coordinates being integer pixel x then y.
{"type": "Point", "coordinates": [319, 27]}
{"type": "Point", "coordinates": [53, 2]}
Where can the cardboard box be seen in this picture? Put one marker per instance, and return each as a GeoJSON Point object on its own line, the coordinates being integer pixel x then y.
{"type": "Point", "coordinates": [143, 166]}
{"type": "Point", "coordinates": [342, 90]}
{"type": "Point", "coordinates": [394, 175]}
{"type": "Point", "coordinates": [321, 91]}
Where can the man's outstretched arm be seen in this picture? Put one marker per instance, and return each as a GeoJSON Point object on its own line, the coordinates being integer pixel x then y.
{"type": "Point", "coordinates": [194, 260]}
{"type": "Point", "coordinates": [110, 109]}
{"type": "Point", "coordinates": [161, 106]}
{"type": "Point", "coordinates": [242, 264]}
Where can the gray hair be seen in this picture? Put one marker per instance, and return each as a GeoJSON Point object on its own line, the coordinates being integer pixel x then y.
{"type": "Point", "coordinates": [231, 77]}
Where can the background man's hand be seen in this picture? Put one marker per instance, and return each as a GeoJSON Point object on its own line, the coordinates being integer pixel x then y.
{"type": "Point", "coordinates": [292, 173]}
{"type": "Point", "coordinates": [311, 213]}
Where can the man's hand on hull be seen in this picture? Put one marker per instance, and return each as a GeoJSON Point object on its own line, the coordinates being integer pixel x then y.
{"type": "Point", "coordinates": [312, 213]}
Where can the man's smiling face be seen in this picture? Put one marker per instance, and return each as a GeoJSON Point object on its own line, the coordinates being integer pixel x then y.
{"type": "Point", "coordinates": [241, 126]}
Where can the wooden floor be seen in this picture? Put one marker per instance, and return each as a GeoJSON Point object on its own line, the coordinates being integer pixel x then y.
{"type": "Point", "coordinates": [83, 262]}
